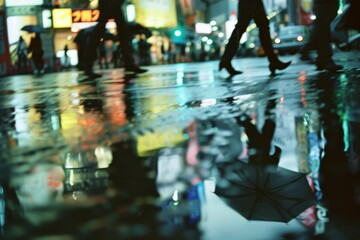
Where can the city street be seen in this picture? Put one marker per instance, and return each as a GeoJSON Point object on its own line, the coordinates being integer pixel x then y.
{"type": "Point", "coordinates": [148, 156]}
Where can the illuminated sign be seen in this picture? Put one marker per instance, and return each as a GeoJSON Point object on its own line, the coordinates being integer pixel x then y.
{"type": "Point", "coordinates": [11, 3]}
{"type": "Point", "coordinates": [156, 13]}
{"type": "Point", "coordinates": [86, 15]}
{"type": "Point", "coordinates": [204, 28]}
{"type": "Point", "coordinates": [62, 17]}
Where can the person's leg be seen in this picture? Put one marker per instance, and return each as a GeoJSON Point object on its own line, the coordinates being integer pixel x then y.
{"type": "Point", "coordinates": [264, 30]}
{"type": "Point", "coordinates": [244, 18]}
{"type": "Point", "coordinates": [124, 37]}
{"type": "Point", "coordinates": [325, 12]}
{"type": "Point", "coordinates": [92, 43]}
{"type": "Point", "coordinates": [264, 34]}
{"type": "Point", "coordinates": [245, 10]}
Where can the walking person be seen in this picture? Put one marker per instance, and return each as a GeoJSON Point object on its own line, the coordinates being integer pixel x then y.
{"type": "Point", "coordinates": [21, 52]}
{"type": "Point", "coordinates": [320, 36]}
{"type": "Point", "coordinates": [111, 9]}
{"type": "Point", "coordinates": [248, 10]}
{"type": "Point", "coordinates": [66, 56]}
{"type": "Point", "coordinates": [37, 53]}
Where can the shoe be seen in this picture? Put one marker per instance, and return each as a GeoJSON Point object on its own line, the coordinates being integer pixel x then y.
{"type": "Point", "coordinates": [135, 69]}
{"type": "Point", "coordinates": [91, 74]}
{"type": "Point", "coordinates": [328, 66]}
{"type": "Point", "coordinates": [278, 65]}
{"type": "Point", "coordinates": [228, 68]}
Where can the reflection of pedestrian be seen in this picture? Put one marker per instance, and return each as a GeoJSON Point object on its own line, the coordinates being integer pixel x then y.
{"type": "Point", "coordinates": [21, 51]}
{"type": "Point", "coordinates": [111, 9]}
{"type": "Point", "coordinates": [37, 53]}
{"type": "Point", "coordinates": [247, 10]}
{"type": "Point", "coordinates": [320, 36]}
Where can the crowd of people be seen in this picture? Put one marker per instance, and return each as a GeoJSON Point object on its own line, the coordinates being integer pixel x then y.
{"type": "Point", "coordinates": [130, 49]}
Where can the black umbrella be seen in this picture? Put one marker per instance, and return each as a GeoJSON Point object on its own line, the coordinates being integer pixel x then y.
{"type": "Point", "coordinates": [32, 28]}
{"type": "Point", "coordinates": [264, 193]}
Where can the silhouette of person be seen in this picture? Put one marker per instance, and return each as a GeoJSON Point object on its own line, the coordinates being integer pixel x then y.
{"type": "Point", "coordinates": [35, 48]}
{"type": "Point", "coordinates": [66, 56]}
{"type": "Point", "coordinates": [81, 40]}
{"type": "Point", "coordinates": [248, 10]}
{"type": "Point", "coordinates": [111, 9]}
{"type": "Point", "coordinates": [320, 35]}
{"type": "Point", "coordinates": [21, 51]}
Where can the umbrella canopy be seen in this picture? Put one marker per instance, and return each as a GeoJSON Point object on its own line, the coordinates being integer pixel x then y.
{"type": "Point", "coordinates": [32, 28]}
{"type": "Point", "coordinates": [264, 193]}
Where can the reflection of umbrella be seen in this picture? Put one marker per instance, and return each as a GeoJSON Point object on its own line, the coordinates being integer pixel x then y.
{"type": "Point", "coordinates": [32, 29]}
{"type": "Point", "coordinates": [267, 194]}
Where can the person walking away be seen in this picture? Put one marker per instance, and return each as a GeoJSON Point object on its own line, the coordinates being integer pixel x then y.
{"type": "Point", "coordinates": [37, 53]}
{"type": "Point", "coordinates": [320, 36]}
{"type": "Point", "coordinates": [21, 52]}
{"type": "Point", "coordinates": [66, 56]}
{"type": "Point", "coordinates": [111, 9]}
{"type": "Point", "coordinates": [248, 10]}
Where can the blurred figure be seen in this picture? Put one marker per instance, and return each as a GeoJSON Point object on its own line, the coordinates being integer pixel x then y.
{"type": "Point", "coordinates": [81, 39]}
{"type": "Point", "coordinates": [21, 51]}
{"type": "Point", "coordinates": [320, 36]}
{"type": "Point", "coordinates": [103, 55]}
{"type": "Point", "coordinates": [344, 22]}
{"type": "Point", "coordinates": [144, 50]}
{"type": "Point", "coordinates": [111, 9]}
{"type": "Point", "coordinates": [247, 10]}
{"type": "Point", "coordinates": [37, 53]}
{"type": "Point", "coordinates": [66, 56]}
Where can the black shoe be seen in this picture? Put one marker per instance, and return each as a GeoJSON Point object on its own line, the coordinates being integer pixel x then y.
{"type": "Point", "coordinates": [328, 66]}
{"type": "Point", "coordinates": [135, 69]}
{"type": "Point", "coordinates": [228, 68]}
{"type": "Point", "coordinates": [92, 75]}
{"type": "Point", "coordinates": [278, 65]}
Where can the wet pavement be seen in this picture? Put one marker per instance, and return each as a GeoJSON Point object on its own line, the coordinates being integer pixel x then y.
{"type": "Point", "coordinates": [182, 152]}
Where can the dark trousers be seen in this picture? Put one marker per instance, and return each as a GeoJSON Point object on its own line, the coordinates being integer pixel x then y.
{"type": "Point", "coordinates": [248, 10]}
{"type": "Point", "coordinates": [320, 35]}
{"type": "Point", "coordinates": [111, 9]}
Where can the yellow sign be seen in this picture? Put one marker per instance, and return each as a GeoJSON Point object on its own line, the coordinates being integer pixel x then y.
{"type": "Point", "coordinates": [1, 3]}
{"type": "Point", "coordinates": [85, 15]}
{"type": "Point", "coordinates": [156, 13]}
{"type": "Point", "coordinates": [150, 142]}
{"type": "Point", "coordinates": [62, 17]}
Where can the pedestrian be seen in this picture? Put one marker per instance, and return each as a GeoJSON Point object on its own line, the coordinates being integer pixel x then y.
{"type": "Point", "coordinates": [66, 56]}
{"type": "Point", "coordinates": [111, 9]}
{"type": "Point", "coordinates": [21, 52]}
{"type": "Point", "coordinates": [37, 53]}
{"type": "Point", "coordinates": [320, 36]}
{"type": "Point", "coordinates": [81, 40]}
{"type": "Point", "coordinates": [247, 10]}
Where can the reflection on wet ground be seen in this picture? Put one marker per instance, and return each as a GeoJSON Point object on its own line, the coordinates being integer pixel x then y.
{"type": "Point", "coordinates": [181, 153]}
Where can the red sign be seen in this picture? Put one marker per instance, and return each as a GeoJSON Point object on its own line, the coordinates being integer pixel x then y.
{"type": "Point", "coordinates": [4, 47]}
{"type": "Point", "coordinates": [85, 15]}
{"type": "Point", "coordinates": [304, 12]}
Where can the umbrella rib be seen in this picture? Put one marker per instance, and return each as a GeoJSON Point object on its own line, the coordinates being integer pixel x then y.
{"type": "Point", "coordinates": [249, 189]}
{"type": "Point", "coordinates": [280, 187]}
{"type": "Point", "coordinates": [279, 208]}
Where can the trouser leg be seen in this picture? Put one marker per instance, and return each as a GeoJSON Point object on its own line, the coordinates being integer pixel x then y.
{"type": "Point", "coordinates": [245, 10]}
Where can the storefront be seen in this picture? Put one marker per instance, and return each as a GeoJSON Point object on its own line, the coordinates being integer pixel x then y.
{"type": "Point", "coordinates": [20, 13]}
{"type": "Point", "coordinates": [5, 66]}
